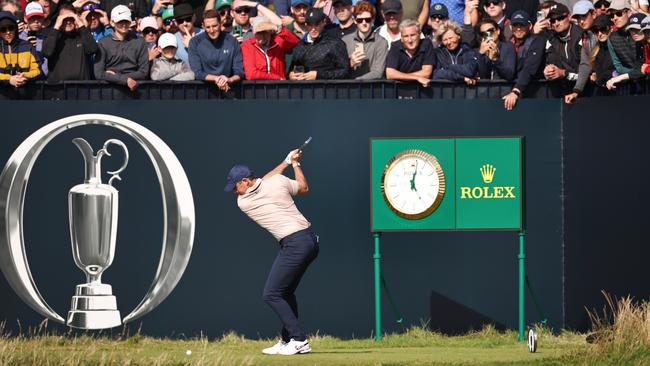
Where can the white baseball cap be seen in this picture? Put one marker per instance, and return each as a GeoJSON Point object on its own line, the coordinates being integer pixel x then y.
{"type": "Point", "coordinates": [167, 40]}
{"type": "Point", "coordinates": [119, 13]}
{"type": "Point", "coordinates": [34, 9]}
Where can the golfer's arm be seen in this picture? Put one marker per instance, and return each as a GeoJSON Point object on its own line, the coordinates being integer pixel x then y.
{"type": "Point", "coordinates": [303, 187]}
{"type": "Point", "coordinates": [277, 170]}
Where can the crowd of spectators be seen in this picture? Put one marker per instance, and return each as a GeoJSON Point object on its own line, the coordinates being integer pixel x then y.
{"type": "Point", "coordinates": [579, 46]}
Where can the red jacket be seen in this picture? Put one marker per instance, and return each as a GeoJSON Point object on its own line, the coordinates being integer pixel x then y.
{"type": "Point", "coordinates": [269, 65]}
{"type": "Point", "coordinates": [646, 52]}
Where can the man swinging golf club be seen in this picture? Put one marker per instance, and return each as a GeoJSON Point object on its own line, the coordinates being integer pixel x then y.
{"type": "Point", "coordinates": [268, 201]}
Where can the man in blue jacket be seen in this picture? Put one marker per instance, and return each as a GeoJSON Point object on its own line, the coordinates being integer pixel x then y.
{"type": "Point", "coordinates": [215, 56]}
{"type": "Point", "coordinates": [530, 56]}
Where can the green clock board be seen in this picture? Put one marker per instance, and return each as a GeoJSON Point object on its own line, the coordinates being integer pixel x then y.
{"type": "Point", "coordinates": [446, 184]}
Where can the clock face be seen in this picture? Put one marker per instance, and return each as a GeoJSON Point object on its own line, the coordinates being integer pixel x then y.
{"type": "Point", "coordinates": [413, 184]}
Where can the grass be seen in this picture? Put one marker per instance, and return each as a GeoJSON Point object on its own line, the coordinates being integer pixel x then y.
{"type": "Point", "coordinates": [621, 337]}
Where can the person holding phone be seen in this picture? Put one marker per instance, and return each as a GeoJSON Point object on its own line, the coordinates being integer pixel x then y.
{"type": "Point", "coordinates": [366, 48]}
{"type": "Point", "coordinates": [496, 58]}
{"type": "Point", "coordinates": [68, 47]}
{"type": "Point", "coordinates": [268, 201]}
{"type": "Point", "coordinates": [35, 32]}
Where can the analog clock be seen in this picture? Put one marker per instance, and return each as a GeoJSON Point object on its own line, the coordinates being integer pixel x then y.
{"type": "Point", "coordinates": [413, 184]}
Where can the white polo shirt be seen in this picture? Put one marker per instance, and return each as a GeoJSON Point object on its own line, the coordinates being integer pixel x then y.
{"type": "Point", "coordinates": [269, 203]}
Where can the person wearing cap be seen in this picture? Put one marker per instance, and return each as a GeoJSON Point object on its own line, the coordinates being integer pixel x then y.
{"type": "Point", "coordinates": [563, 50]}
{"type": "Point", "coordinates": [68, 47]}
{"type": "Point", "coordinates": [600, 60]}
{"type": "Point", "coordinates": [299, 9]}
{"type": "Point", "coordinates": [168, 21]}
{"type": "Point", "coordinates": [35, 32]}
{"type": "Point", "coordinates": [94, 18]}
{"type": "Point", "coordinates": [264, 54]}
{"type": "Point", "coordinates": [343, 12]}
{"type": "Point", "coordinates": [438, 15]}
{"type": "Point", "coordinates": [635, 71]}
{"type": "Point", "coordinates": [622, 46]}
{"type": "Point", "coordinates": [140, 7]}
{"type": "Point", "coordinates": [601, 7]}
{"type": "Point", "coordinates": [268, 201]}
{"type": "Point", "coordinates": [367, 49]}
{"type": "Point", "coordinates": [392, 13]}
{"type": "Point", "coordinates": [454, 60]}
{"type": "Point", "coordinates": [148, 28]}
{"type": "Point", "coordinates": [122, 57]}
{"type": "Point", "coordinates": [184, 18]}
{"type": "Point", "coordinates": [530, 56]}
{"type": "Point", "coordinates": [410, 59]}
{"type": "Point", "coordinates": [583, 14]}
{"type": "Point", "coordinates": [168, 66]}
{"type": "Point", "coordinates": [18, 62]}
{"type": "Point", "coordinates": [319, 56]}
{"type": "Point", "coordinates": [496, 58]}
{"type": "Point", "coordinates": [215, 56]}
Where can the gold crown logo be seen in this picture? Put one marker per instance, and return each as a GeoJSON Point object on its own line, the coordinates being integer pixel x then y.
{"type": "Point", "coordinates": [487, 171]}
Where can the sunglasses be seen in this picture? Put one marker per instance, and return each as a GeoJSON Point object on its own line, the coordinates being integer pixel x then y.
{"type": "Point", "coordinates": [492, 2]}
{"type": "Point", "coordinates": [363, 20]}
{"type": "Point", "coordinates": [438, 17]}
{"type": "Point", "coordinates": [184, 20]}
{"type": "Point", "coordinates": [243, 10]}
{"type": "Point", "coordinates": [168, 21]}
{"type": "Point", "coordinates": [597, 30]}
{"type": "Point", "coordinates": [618, 13]}
{"type": "Point", "coordinates": [646, 32]}
{"type": "Point", "coordinates": [224, 12]}
{"type": "Point", "coordinates": [149, 31]}
{"type": "Point", "coordinates": [487, 33]}
{"type": "Point", "coordinates": [557, 19]}
{"type": "Point", "coordinates": [10, 28]}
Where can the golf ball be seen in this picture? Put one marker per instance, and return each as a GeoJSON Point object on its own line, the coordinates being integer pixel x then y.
{"type": "Point", "coordinates": [188, 352]}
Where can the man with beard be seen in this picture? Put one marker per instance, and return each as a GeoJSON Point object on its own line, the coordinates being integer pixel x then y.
{"type": "Point", "coordinates": [68, 47]}
{"type": "Point", "coordinates": [122, 57]}
{"type": "Point", "coordinates": [18, 62]}
{"type": "Point", "coordinates": [319, 56]}
{"type": "Point", "coordinates": [299, 9]}
{"type": "Point", "coordinates": [215, 55]}
{"type": "Point", "coordinates": [530, 56]}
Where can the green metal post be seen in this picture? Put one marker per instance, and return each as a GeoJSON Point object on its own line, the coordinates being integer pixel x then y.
{"type": "Point", "coordinates": [522, 282]}
{"type": "Point", "coordinates": [377, 259]}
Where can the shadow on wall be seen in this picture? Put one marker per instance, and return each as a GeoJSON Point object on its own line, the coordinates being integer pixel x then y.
{"type": "Point", "coordinates": [452, 318]}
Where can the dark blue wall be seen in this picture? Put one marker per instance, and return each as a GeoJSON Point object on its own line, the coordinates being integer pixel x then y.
{"type": "Point", "coordinates": [221, 289]}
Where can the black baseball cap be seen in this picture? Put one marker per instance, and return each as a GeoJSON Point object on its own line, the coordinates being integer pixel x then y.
{"type": "Point", "coordinates": [520, 17]}
{"type": "Point", "coordinates": [392, 6]}
{"type": "Point", "coordinates": [314, 16]}
{"type": "Point", "coordinates": [183, 10]}
{"type": "Point", "coordinates": [558, 10]}
{"type": "Point", "coordinates": [236, 173]}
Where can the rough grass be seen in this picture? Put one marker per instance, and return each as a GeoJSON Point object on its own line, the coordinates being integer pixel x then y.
{"type": "Point", "coordinates": [621, 337]}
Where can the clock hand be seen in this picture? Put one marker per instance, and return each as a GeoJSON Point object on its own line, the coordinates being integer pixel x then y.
{"type": "Point", "coordinates": [413, 178]}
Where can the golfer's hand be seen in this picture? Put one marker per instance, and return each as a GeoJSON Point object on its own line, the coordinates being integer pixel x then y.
{"type": "Point", "coordinates": [293, 156]}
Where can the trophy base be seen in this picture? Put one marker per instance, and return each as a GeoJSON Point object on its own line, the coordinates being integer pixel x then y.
{"type": "Point", "coordinates": [94, 319]}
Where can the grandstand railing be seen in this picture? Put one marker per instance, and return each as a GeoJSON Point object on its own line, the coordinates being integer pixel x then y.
{"type": "Point", "coordinates": [280, 90]}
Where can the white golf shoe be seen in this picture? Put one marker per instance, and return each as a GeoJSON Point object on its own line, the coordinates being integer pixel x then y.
{"type": "Point", "coordinates": [293, 347]}
{"type": "Point", "coordinates": [274, 349]}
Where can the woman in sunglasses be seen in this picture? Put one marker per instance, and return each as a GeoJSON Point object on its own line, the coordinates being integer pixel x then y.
{"type": "Point", "coordinates": [496, 58]}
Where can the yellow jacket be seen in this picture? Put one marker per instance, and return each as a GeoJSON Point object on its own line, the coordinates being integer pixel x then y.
{"type": "Point", "coordinates": [18, 57]}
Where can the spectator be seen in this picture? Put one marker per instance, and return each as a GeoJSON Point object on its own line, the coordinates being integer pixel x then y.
{"type": "Point", "coordinates": [562, 50]}
{"type": "Point", "coordinates": [622, 46]}
{"type": "Point", "coordinates": [241, 13]}
{"type": "Point", "coordinates": [438, 15]}
{"type": "Point", "coordinates": [542, 25]}
{"type": "Point", "coordinates": [635, 72]}
{"type": "Point", "coordinates": [68, 47]}
{"type": "Point", "coordinates": [94, 18]}
{"type": "Point", "coordinates": [416, 9]}
{"type": "Point", "coordinates": [645, 28]}
{"type": "Point", "coordinates": [35, 33]}
{"type": "Point", "coordinates": [495, 10]}
{"type": "Point", "coordinates": [601, 7]}
{"type": "Point", "coordinates": [530, 56]}
{"type": "Point", "coordinates": [168, 21]}
{"type": "Point", "coordinates": [10, 6]}
{"type": "Point", "coordinates": [140, 7]}
{"type": "Point", "coordinates": [496, 58]}
{"type": "Point", "coordinates": [601, 60]}
{"type": "Point", "coordinates": [410, 58]}
{"type": "Point", "coordinates": [264, 55]}
{"type": "Point", "coordinates": [168, 67]}
{"type": "Point", "coordinates": [455, 60]}
{"type": "Point", "coordinates": [299, 10]}
{"type": "Point", "coordinates": [148, 28]}
{"type": "Point", "coordinates": [122, 57]}
{"type": "Point", "coordinates": [224, 8]}
{"type": "Point", "coordinates": [583, 14]}
{"type": "Point", "coordinates": [184, 18]}
{"type": "Point", "coordinates": [18, 63]}
{"type": "Point", "coordinates": [319, 56]}
{"type": "Point", "coordinates": [392, 13]}
{"type": "Point", "coordinates": [343, 12]}
{"type": "Point", "coordinates": [367, 50]}
{"type": "Point", "coordinates": [215, 55]}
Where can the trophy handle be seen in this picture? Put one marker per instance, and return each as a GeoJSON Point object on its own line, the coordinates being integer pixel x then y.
{"type": "Point", "coordinates": [104, 151]}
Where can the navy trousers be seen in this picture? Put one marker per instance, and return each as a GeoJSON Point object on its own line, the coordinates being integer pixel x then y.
{"type": "Point", "coordinates": [297, 251]}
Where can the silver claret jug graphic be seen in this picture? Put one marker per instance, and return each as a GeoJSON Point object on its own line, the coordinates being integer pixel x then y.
{"type": "Point", "coordinates": [93, 208]}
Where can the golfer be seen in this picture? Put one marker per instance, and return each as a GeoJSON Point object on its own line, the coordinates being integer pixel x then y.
{"type": "Point", "coordinates": [268, 202]}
